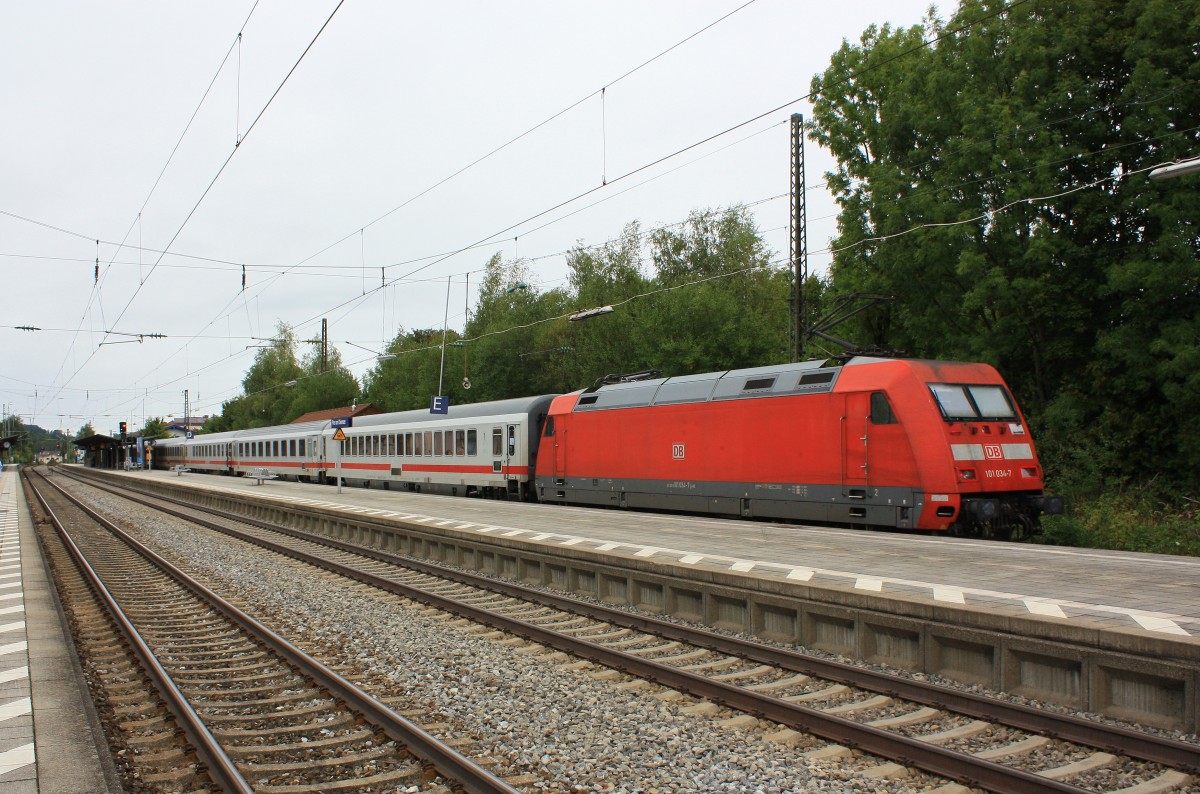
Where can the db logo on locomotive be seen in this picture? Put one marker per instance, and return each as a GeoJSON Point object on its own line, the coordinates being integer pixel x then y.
{"type": "Point", "coordinates": [992, 451]}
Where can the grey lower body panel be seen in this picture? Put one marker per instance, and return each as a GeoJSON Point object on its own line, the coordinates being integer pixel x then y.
{"type": "Point", "coordinates": [861, 505]}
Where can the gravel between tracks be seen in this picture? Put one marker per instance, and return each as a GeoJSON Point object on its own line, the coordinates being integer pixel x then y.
{"type": "Point", "coordinates": [588, 736]}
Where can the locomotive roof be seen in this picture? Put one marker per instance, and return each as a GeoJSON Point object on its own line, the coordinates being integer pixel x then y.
{"type": "Point", "coordinates": [802, 377]}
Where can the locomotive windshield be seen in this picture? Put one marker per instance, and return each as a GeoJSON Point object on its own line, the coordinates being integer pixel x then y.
{"type": "Point", "coordinates": [973, 402]}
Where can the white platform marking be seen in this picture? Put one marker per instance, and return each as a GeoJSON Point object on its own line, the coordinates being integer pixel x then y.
{"type": "Point", "coordinates": [10, 610]}
{"type": "Point", "coordinates": [1158, 624]}
{"type": "Point", "coordinates": [14, 647]}
{"type": "Point", "coordinates": [691, 559]}
{"type": "Point", "coordinates": [742, 566]}
{"type": "Point", "coordinates": [950, 594]}
{"type": "Point", "coordinates": [608, 547]}
{"type": "Point", "coordinates": [801, 574]}
{"type": "Point", "coordinates": [16, 758]}
{"type": "Point", "coordinates": [649, 551]}
{"type": "Point", "coordinates": [872, 583]}
{"type": "Point", "coordinates": [20, 624]}
{"type": "Point", "coordinates": [1048, 608]}
{"type": "Point", "coordinates": [15, 674]}
{"type": "Point", "coordinates": [15, 708]}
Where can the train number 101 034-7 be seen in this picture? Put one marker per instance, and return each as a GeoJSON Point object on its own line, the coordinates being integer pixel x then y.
{"type": "Point", "coordinates": [997, 473]}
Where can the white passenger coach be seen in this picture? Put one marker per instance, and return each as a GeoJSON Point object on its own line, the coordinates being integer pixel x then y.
{"type": "Point", "coordinates": [484, 449]}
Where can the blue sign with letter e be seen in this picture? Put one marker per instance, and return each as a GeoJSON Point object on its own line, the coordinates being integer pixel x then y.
{"type": "Point", "coordinates": [439, 404]}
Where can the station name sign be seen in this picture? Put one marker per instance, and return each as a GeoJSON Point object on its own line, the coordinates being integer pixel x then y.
{"type": "Point", "coordinates": [342, 421]}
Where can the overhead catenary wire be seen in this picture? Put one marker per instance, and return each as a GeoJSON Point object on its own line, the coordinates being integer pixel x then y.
{"type": "Point", "coordinates": [217, 176]}
{"type": "Point", "coordinates": [461, 250]}
{"type": "Point", "coordinates": [925, 43]}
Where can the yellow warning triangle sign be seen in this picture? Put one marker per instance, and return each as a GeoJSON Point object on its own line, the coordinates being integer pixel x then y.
{"type": "Point", "coordinates": [339, 435]}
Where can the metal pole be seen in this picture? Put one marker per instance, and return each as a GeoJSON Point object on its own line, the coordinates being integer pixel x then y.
{"type": "Point", "coordinates": [339, 469]}
{"type": "Point", "coordinates": [445, 328]}
{"type": "Point", "coordinates": [798, 238]}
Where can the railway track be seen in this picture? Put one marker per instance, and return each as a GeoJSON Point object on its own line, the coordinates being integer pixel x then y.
{"type": "Point", "coordinates": [977, 741]}
{"type": "Point", "coordinates": [207, 698]}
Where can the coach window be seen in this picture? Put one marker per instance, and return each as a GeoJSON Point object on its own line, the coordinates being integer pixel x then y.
{"type": "Point", "coordinates": [300, 447]}
{"type": "Point", "coordinates": [497, 441]}
{"type": "Point", "coordinates": [418, 449]}
{"type": "Point", "coordinates": [460, 442]}
{"type": "Point", "coordinates": [391, 445]}
{"type": "Point", "coordinates": [428, 443]}
{"type": "Point", "coordinates": [881, 411]}
{"type": "Point", "coordinates": [437, 443]}
{"type": "Point", "coordinates": [292, 447]}
{"type": "Point", "coordinates": [449, 442]}
{"type": "Point", "coordinates": [472, 446]}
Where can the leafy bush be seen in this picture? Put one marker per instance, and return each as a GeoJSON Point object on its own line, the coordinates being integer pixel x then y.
{"type": "Point", "coordinates": [1130, 521]}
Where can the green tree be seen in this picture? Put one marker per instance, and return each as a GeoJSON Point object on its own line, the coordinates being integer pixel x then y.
{"type": "Point", "coordinates": [325, 384]}
{"type": "Point", "coordinates": [155, 428]}
{"type": "Point", "coordinates": [724, 306]}
{"type": "Point", "coordinates": [994, 184]}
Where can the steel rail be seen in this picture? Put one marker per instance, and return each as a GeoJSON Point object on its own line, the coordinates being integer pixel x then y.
{"type": "Point", "coordinates": [1102, 736]}
{"type": "Point", "coordinates": [464, 773]}
{"type": "Point", "coordinates": [219, 766]}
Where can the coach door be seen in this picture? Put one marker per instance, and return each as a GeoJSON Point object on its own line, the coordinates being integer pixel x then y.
{"type": "Point", "coordinates": [510, 450]}
{"type": "Point", "coordinates": [854, 444]}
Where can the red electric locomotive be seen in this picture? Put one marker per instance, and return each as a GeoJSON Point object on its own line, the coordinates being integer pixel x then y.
{"type": "Point", "coordinates": [909, 444]}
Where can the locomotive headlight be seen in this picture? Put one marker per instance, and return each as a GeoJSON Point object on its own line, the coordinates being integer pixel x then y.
{"type": "Point", "coordinates": [966, 474]}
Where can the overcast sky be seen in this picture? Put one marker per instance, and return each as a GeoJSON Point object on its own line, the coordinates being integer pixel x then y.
{"type": "Point", "coordinates": [325, 198]}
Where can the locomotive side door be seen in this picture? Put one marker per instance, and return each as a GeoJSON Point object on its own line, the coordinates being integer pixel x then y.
{"type": "Point", "coordinates": [855, 421]}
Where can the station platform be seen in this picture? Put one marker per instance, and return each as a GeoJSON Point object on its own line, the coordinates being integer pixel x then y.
{"type": "Point", "coordinates": [1105, 632]}
{"type": "Point", "coordinates": [50, 742]}
{"type": "Point", "coordinates": [1150, 595]}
